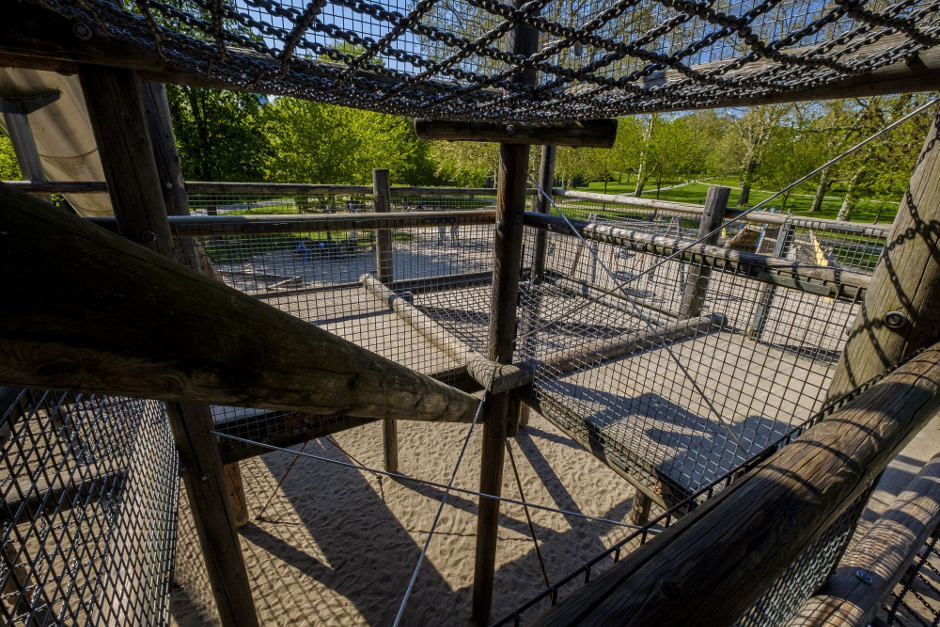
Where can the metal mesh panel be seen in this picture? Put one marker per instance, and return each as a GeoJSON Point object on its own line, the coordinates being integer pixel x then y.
{"type": "Point", "coordinates": [916, 598]}
{"type": "Point", "coordinates": [672, 400]}
{"type": "Point", "coordinates": [447, 59]}
{"type": "Point", "coordinates": [90, 488]}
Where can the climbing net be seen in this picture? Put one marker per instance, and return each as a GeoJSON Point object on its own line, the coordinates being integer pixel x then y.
{"type": "Point", "coordinates": [446, 59]}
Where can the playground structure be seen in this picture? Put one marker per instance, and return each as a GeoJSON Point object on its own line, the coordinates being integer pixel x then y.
{"type": "Point", "coordinates": [751, 375]}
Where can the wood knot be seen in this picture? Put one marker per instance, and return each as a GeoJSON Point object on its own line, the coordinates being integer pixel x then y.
{"type": "Point", "coordinates": [669, 590]}
{"type": "Point", "coordinates": [55, 368]}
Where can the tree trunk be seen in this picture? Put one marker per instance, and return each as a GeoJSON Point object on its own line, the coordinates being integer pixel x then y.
{"type": "Point", "coordinates": [744, 198]}
{"type": "Point", "coordinates": [783, 207]}
{"type": "Point", "coordinates": [641, 171]}
{"type": "Point", "coordinates": [820, 192]}
{"type": "Point", "coordinates": [848, 203]}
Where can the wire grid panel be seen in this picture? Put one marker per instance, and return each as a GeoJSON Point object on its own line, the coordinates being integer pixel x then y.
{"type": "Point", "coordinates": [90, 489]}
{"type": "Point", "coordinates": [447, 59]}
{"type": "Point", "coordinates": [674, 401]}
{"type": "Point", "coordinates": [442, 271]}
{"type": "Point", "coordinates": [915, 600]}
{"type": "Point", "coordinates": [254, 203]}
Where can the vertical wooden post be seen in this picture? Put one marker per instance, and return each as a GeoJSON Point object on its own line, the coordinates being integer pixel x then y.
{"type": "Point", "coordinates": [696, 280]}
{"type": "Point", "coordinates": [507, 258]}
{"type": "Point", "coordinates": [546, 182]}
{"type": "Point", "coordinates": [117, 116]}
{"type": "Point", "coordinates": [640, 510]}
{"type": "Point", "coordinates": [900, 313]}
{"type": "Point", "coordinates": [766, 298]}
{"type": "Point", "coordinates": [385, 272]}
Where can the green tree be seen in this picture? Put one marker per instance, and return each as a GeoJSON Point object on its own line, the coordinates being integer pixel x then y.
{"type": "Point", "coordinates": [220, 134]}
{"type": "Point", "coordinates": [9, 167]}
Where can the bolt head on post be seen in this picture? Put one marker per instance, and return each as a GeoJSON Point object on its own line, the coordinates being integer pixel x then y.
{"type": "Point", "coordinates": [82, 31]}
{"type": "Point", "coordinates": [896, 320]}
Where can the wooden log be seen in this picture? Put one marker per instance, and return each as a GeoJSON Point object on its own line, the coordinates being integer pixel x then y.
{"type": "Point", "coordinates": [236, 494]}
{"type": "Point", "coordinates": [713, 565]}
{"type": "Point", "coordinates": [547, 183]}
{"type": "Point", "coordinates": [129, 160]}
{"type": "Point", "coordinates": [883, 554]}
{"type": "Point", "coordinates": [507, 377]}
{"type": "Point", "coordinates": [594, 352]}
{"type": "Point", "coordinates": [585, 133]}
{"type": "Point", "coordinates": [906, 281]}
{"type": "Point", "coordinates": [96, 313]}
{"type": "Point", "coordinates": [696, 278]}
{"type": "Point", "coordinates": [690, 210]}
{"type": "Point", "coordinates": [507, 259]}
{"type": "Point", "coordinates": [385, 271]}
{"type": "Point", "coordinates": [263, 224]}
{"type": "Point", "coordinates": [821, 280]}
{"type": "Point", "coordinates": [640, 509]}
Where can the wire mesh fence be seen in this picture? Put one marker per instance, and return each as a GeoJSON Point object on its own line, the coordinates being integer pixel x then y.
{"type": "Point", "coordinates": [90, 487]}
{"type": "Point", "coordinates": [916, 599]}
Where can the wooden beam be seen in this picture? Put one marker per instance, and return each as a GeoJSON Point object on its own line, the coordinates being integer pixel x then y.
{"type": "Point", "coordinates": [714, 564]}
{"type": "Point", "coordinates": [95, 312]}
{"type": "Point", "coordinates": [596, 351]}
{"type": "Point", "coordinates": [507, 376]}
{"type": "Point", "coordinates": [822, 280]}
{"type": "Point", "coordinates": [586, 133]}
{"type": "Point", "coordinates": [883, 554]}
{"type": "Point", "coordinates": [696, 278]}
{"type": "Point", "coordinates": [115, 108]}
{"type": "Point", "coordinates": [504, 293]}
{"type": "Point", "coordinates": [547, 183]}
{"type": "Point", "coordinates": [906, 281]}
{"type": "Point", "coordinates": [640, 509]}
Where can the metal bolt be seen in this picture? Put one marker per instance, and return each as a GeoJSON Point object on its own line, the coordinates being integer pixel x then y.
{"type": "Point", "coordinates": [510, 129]}
{"type": "Point", "coordinates": [168, 185]}
{"type": "Point", "coordinates": [204, 477]}
{"type": "Point", "coordinates": [148, 236]}
{"type": "Point", "coordinates": [519, 218]}
{"type": "Point", "coordinates": [895, 320]}
{"type": "Point", "coordinates": [82, 31]}
{"type": "Point", "coordinates": [863, 576]}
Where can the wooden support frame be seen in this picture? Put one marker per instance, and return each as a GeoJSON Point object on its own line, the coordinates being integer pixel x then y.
{"type": "Point", "coordinates": [385, 271]}
{"type": "Point", "coordinates": [99, 313]}
{"type": "Point", "coordinates": [821, 280]}
{"type": "Point", "coordinates": [715, 563]}
{"type": "Point", "coordinates": [899, 314]}
{"type": "Point", "coordinates": [115, 107]}
{"type": "Point", "coordinates": [696, 278]}
{"type": "Point", "coordinates": [884, 554]}
{"type": "Point", "coordinates": [582, 134]}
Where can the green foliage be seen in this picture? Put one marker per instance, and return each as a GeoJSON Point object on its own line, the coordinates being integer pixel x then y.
{"type": "Point", "coordinates": [9, 167]}
{"type": "Point", "coordinates": [220, 134]}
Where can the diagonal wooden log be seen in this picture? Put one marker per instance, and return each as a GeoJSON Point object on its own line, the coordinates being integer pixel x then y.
{"type": "Point", "coordinates": [507, 376]}
{"type": "Point", "coordinates": [95, 312]}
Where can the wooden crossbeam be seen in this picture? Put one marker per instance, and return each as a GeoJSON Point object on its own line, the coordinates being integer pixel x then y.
{"type": "Point", "coordinates": [94, 312]}
{"type": "Point", "coordinates": [586, 133]}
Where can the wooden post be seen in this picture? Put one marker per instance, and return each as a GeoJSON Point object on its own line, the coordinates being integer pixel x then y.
{"type": "Point", "coordinates": [507, 258]}
{"type": "Point", "coordinates": [696, 280]}
{"type": "Point", "coordinates": [188, 250]}
{"type": "Point", "coordinates": [384, 263]}
{"type": "Point", "coordinates": [546, 182]}
{"type": "Point", "coordinates": [766, 298]}
{"type": "Point", "coordinates": [115, 108]}
{"type": "Point", "coordinates": [640, 510]}
{"type": "Point", "coordinates": [899, 314]}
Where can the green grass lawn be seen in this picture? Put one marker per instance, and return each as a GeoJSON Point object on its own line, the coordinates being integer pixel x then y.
{"type": "Point", "coordinates": [798, 204]}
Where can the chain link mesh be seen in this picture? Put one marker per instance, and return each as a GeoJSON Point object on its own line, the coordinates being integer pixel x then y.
{"type": "Point", "coordinates": [444, 59]}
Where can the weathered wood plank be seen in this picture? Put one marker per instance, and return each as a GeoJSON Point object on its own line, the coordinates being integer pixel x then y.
{"type": "Point", "coordinates": [906, 281]}
{"type": "Point", "coordinates": [95, 312]}
{"type": "Point", "coordinates": [884, 554]}
{"type": "Point", "coordinates": [696, 279]}
{"type": "Point", "coordinates": [586, 133]}
{"type": "Point", "coordinates": [709, 568]}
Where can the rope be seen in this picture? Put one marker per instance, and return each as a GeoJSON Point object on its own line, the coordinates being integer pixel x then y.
{"type": "Point", "coordinates": [278, 486]}
{"type": "Point", "coordinates": [434, 484]}
{"type": "Point", "coordinates": [440, 508]}
{"type": "Point", "coordinates": [528, 519]}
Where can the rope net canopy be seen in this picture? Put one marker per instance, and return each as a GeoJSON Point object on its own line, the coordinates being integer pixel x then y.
{"type": "Point", "coordinates": [448, 60]}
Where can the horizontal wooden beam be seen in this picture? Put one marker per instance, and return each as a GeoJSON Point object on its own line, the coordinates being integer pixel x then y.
{"type": "Point", "coordinates": [883, 554]}
{"type": "Point", "coordinates": [822, 280]}
{"type": "Point", "coordinates": [695, 211]}
{"type": "Point", "coordinates": [506, 377]}
{"type": "Point", "coordinates": [587, 133]}
{"type": "Point", "coordinates": [712, 566]}
{"type": "Point", "coordinates": [321, 222]}
{"type": "Point", "coordinates": [95, 312]}
{"type": "Point", "coordinates": [263, 189]}
{"type": "Point", "coordinates": [595, 351]}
